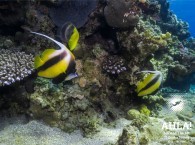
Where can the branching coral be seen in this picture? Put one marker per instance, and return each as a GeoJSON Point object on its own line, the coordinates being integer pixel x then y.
{"type": "Point", "coordinates": [14, 66]}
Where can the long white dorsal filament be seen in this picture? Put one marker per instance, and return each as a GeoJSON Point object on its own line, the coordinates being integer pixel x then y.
{"type": "Point", "coordinates": [153, 72]}
{"type": "Point", "coordinates": [58, 43]}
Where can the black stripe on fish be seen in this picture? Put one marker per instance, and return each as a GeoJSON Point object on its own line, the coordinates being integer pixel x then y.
{"type": "Point", "coordinates": [151, 83]}
{"type": "Point", "coordinates": [61, 77]}
{"type": "Point", "coordinates": [71, 67]}
{"type": "Point", "coordinates": [52, 61]}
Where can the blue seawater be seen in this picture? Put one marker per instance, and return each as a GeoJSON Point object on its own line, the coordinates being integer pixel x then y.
{"type": "Point", "coordinates": [185, 10]}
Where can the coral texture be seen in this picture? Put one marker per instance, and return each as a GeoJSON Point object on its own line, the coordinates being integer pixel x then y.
{"type": "Point", "coordinates": [114, 65]}
{"type": "Point", "coordinates": [14, 66]}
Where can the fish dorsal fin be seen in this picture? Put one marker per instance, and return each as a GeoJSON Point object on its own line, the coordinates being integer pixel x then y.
{"type": "Point", "coordinates": [145, 81]}
{"type": "Point", "coordinates": [72, 43]}
{"type": "Point", "coordinates": [70, 35]}
{"type": "Point", "coordinates": [58, 43]}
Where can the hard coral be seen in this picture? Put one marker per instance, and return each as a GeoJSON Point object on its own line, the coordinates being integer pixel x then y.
{"type": "Point", "coordinates": [121, 14]}
{"type": "Point", "coordinates": [144, 110]}
{"type": "Point", "coordinates": [14, 66]}
{"type": "Point", "coordinates": [114, 65]}
{"type": "Point", "coordinates": [146, 39]}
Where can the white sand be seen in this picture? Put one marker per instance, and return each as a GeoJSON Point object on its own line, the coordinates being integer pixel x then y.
{"type": "Point", "coordinates": [16, 131]}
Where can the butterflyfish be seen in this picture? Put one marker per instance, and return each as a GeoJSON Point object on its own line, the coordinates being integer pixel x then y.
{"type": "Point", "coordinates": [69, 35]}
{"type": "Point", "coordinates": [150, 83]}
{"type": "Point", "coordinates": [58, 65]}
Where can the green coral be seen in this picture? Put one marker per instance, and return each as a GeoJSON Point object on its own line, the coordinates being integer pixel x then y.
{"type": "Point", "coordinates": [139, 120]}
{"type": "Point", "coordinates": [144, 110]}
{"type": "Point", "coordinates": [133, 114]}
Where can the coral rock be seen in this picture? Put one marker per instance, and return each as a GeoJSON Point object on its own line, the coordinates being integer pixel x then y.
{"type": "Point", "coordinates": [70, 11]}
{"type": "Point", "coordinates": [121, 14]}
{"type": "Point", "coordinates": [129, 136]}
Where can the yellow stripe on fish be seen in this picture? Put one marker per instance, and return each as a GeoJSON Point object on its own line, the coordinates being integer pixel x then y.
{"type": "Point", "coordinates": [150, 83]}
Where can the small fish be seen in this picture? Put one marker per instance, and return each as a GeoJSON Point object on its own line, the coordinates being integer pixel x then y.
{"type": "Point", "coordinates": [69, 35]}
{"type": "Point", "coordinates": [58, 65]}
{"type": "Point", "coordinates": [150, 83]}
{"type": "Point", "coordinates": [175, 103]}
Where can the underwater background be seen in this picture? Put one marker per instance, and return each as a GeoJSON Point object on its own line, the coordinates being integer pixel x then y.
{"type": "Point", "coordinates": [184, 9]}
{"type": "Point", "coordinates": [97, 72]}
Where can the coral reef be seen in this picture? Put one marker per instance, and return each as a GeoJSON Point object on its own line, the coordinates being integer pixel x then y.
{"type": "Point", "coordinates": [14, 66]}
{"type": "Point", "coordinates": [170, 22]}
{"type": "Point", "coordinates": [117, 40]}
{"type": "Point", "coordinates": [62, 110]}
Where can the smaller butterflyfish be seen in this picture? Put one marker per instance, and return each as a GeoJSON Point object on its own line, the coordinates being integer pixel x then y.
{"type": "Point", "coordinates": [150, 83]}
{"type": "Point", "coordinates": [58, 65]}
{"type": "Point", "coordinates": [69, 35]}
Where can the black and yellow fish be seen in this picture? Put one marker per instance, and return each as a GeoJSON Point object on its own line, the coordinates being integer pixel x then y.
{"type": "Point", "coordinates": [150, 83]}
{"type": "Point", "coordinates": [58, 65]}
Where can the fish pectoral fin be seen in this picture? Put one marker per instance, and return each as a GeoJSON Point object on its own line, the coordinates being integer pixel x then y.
{"type": "Point", "coordinates": [38, 62]}
{"type": "Point", "coordinates": [59, 79]}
